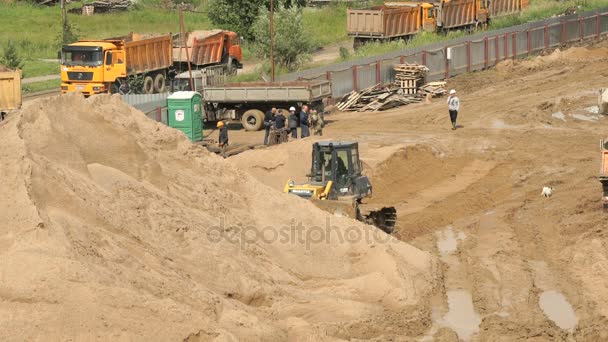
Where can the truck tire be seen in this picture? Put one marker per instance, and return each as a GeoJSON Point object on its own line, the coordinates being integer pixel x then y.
{"type": "Point", "coordinates": [114, 88]}
{"type": "Point", "coordinates": [159, 83]}
{"type": "Point", "coordinates": [253, 120]}
{"type": "Point", "coordinates": [148, 85]}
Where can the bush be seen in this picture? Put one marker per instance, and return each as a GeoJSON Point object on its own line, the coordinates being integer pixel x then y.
{"type": "Point", "coordinates": [10, 58]}
{"type": "Point", "coordinates": [292, 46]}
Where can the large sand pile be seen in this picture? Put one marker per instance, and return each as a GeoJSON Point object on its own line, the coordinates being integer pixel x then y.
{"type": "Point", "coordinates": [114, 226]}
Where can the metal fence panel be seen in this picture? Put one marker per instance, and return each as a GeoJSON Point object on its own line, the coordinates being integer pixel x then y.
{"type": "Point", "coordinates": [604, 23]}
{"type": "Point", "coordinates": [153, 115]}
{"type": "Point", "coordinates": [502, 53]}
{"type": "Point", "coordinates": [366, 76]}
{"type": "Point", "coordinates": [572, 31]}
{"type": "Point", "coordinates": [590, 27]}
{"type": "Point", "coordinates": [415, 58]}
{"type": "Point", "coordinates": [435, 61]}
{"type": "Point", "coordinates": [478, 55]}
{"type": "Point", "coordinates": [492, 51]}
{"type": "Point", "coordinates": [522, 43]}
{"type": "Point", "coordinates": [341, 82]}
{"type": "Point", "coordinates": [319, 77]}
{"type": "Point", "coordinates": [555, 35]}
{"type": "Point", "coordinates": [146, 102]}
{"type": "Point", "coordinates": [458, 63]}
{"type": "Point", "coordinates": [537, 39]}
{"type": "Point", "coordinates": [387, 73]}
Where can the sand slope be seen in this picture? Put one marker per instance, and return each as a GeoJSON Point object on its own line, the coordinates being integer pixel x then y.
{"type": "Point", "coordinates": [114, 226]}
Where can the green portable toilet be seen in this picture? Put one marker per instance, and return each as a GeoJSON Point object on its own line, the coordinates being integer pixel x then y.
{"type": "Point", "coordinates": [184, 112]}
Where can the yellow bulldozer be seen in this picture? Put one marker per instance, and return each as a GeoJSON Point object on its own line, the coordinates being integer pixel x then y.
{"type": "Point", "coordinates": [337, 185]}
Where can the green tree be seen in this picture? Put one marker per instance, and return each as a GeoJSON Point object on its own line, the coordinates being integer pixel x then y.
{"type": "Point", "coordinates": [292, 45]}
{"type": "Point", "coordinates": [240, 15]}
{"type": "Point", "coordinates": [10, 58]}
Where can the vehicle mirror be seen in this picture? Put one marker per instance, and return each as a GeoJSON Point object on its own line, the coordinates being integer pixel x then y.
{"type": "Point", "coordinates": [59, 55]}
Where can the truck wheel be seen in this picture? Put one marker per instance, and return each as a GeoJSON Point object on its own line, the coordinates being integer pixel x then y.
{"type": "Point", "coordinates": [114, 88]}
{"type": "Point", "coordinates": [253, 120]}
{"type": "Point", "coordinates": [148, 85]}
{"type": "Point", "coordinates": [159, 83]}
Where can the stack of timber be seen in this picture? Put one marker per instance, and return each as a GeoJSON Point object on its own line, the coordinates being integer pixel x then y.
{"type": "Point", "coordinates": [409, 87]}
{"type": "Point", "coordinates": [410, 76]}
{"type": "Point", "coordinates": [434, 89]}
{"type": "Point", "coordinates": [378, 97]}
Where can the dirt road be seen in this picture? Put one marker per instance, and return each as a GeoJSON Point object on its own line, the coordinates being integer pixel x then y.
{"type": "Point", "coordinates": [514, 265]}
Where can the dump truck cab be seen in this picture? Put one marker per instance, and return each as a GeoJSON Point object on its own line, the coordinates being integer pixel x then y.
{"type": "Point", "coordinates": [429, 17]}
{"type": "Point", "coordinates": [92, 67]}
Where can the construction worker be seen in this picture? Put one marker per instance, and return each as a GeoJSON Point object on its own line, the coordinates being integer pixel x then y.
{"type": "Point", "coordinates": [304, 122]}
{"type": "Point", "coordinates": [453, 107]}
{"type": "Point", "coordinates": [316, 122]}
{"type": "Point", "coordinates": [279, 120]}
{"type": "Point", "coordinates": [292, 122]}
{"type": "Point", "coordinates": [268, 121]}
{"type": "Point", "coordinates": [223, 139]}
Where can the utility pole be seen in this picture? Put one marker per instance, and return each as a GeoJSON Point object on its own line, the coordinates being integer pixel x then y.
{"type": "Point", "coordinates": [185, 43]}
{"type": "Point", "coordinates": [272, 40]}
{"type": "Point", "coordinates": [63, 22]}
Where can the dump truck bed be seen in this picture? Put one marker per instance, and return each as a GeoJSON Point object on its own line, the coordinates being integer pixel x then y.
{"type": "Point", "coordinates": [384, 21]}
{"type": "Point", "coordinates": [458, 13]}
{"type": "Point", "coordinates": [299, 91]}
{"type": "Point", "coordinates": [499, 8]}
{"type": "Point", "coordinates": [148, 53]}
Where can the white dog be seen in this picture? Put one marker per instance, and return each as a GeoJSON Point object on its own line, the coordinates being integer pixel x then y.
{"type": "Point", "coordinates": [547, 191]}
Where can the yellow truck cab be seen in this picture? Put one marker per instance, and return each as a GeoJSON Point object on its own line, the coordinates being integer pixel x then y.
{"type": "Point", "coordinates": [91, 67]}
{"type": "Point", "coordinates": [98, 66]}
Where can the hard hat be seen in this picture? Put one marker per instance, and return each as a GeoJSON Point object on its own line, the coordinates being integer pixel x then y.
{"type": "Point", "coordinates": [453, 91]}
{"type": "Point", "coordinates": [292, 109]}
{"type": "Point", "coordinates": [220, 124]}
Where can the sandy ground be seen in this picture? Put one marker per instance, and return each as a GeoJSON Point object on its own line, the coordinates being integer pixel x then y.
{"type": "Point", "coordinates": [514, 265]}
{"type": "Point", "coordinates": [109, 222]}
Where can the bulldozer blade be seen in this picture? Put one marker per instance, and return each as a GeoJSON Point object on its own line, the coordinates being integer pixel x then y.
{"type": "Point", "coordinates": [384, 218]}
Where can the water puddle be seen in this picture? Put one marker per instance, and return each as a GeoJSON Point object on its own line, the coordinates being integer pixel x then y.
{"type": "Point", "coordinates": [559, 115]}
{"type": "Point", "coordinates": [461, 316]}
{"type": "Point", "coordinates": [447, 240]}
{"type": "Point", "coordinates": [591, 118]}
{"type": "Point", "coordinates": [593, 109]}
{"type": "Point", "coordinates": [557, 308]}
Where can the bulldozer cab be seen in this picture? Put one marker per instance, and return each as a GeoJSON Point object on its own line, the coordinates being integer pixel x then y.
{"type": "Point", "coordinates": [339, 163]}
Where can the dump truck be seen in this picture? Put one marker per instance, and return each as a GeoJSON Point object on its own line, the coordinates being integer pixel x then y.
{"type": "Point", "coordinates": [337, 185]}
{"type": "Point", "coordinates": [101, 66]}
{"type": "Point", "coordinates": [206, 48]}
{"type": "Point", "coordinates": [403, 20]}
{"type": "Point", "coordinates": [249, 101]}
{"type": "Point", "coordinates": [10, 89]}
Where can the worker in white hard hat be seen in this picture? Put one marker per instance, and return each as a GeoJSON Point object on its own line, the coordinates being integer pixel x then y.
{"type": "Point", "coordinates": [453, 107]}
{"type": "Point", "coordinates": [292, 122]}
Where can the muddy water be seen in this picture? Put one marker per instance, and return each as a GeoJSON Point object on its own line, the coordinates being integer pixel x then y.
{"type": "Point", "coordinates": [461, 316]}
{"type": "Point", "coordinates": [447, 240]}
{"type": "Point", "coordinates": [557, 308]}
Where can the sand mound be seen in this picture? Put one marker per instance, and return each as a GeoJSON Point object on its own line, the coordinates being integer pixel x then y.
{"type": "Point", "coordinates": [114, 226]}
{"type": "Point", "coordinates": [573, 54]}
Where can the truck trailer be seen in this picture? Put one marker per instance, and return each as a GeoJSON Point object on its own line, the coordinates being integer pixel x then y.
{"type": "Point", "coordinates": [101, 66]}
{"type": "Point", "coordinates": [403, 20]}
